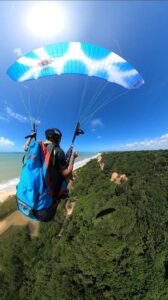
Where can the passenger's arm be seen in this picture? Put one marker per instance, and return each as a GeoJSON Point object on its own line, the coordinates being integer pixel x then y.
{"type": "Point", "coordinates": [26, 146]}
{"type": "Point", "coordinates": [69, 169]}
{"type": "Point", "coordinates": [30, 137]}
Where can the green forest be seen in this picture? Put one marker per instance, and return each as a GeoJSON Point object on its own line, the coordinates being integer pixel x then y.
{"type": "Point", "coordinates": [114, 246]}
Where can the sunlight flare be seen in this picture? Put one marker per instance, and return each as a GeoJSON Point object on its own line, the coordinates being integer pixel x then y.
{"type": "Point", "coordinates": [46, 19]}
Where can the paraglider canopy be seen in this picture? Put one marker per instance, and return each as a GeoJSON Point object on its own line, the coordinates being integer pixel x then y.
{"type": "Point", "coordinates": [81, 59]}
{"type": "Point", "coordinates": [75, 58]}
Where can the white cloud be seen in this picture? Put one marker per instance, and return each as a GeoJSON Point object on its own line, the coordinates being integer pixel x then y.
{"type": "Point", "coordinates": [99, 137]}
{"type": "Point", "coordinates": [97, 123]}
{"type": "Point", "coordinates": [19, 117]}
{"type": "Point", "coordinates": [148, 144]}
{"type": "Point", "coordinates": [18, 51]}
{"type": "Point", "coordinates": [16, 116]}
{"type": "Point", "coordinates": [5, 143]}
{"type": "Point", "coordinates": [3, 118]}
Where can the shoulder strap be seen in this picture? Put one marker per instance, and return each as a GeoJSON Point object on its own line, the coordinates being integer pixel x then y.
{"type": "Point", "coordinates": [54, 155]}
{"type": "Point", "coordinates": [52, 149]}
{"type": "Point", "coordinates": [47, 151]}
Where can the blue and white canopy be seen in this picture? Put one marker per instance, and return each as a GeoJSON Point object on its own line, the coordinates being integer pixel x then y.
{"type": "Point", "coordinates": [75, 58]}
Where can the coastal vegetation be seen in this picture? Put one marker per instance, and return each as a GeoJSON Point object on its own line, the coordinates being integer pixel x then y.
{"type": "Point", "coordinates": [7, 207]}
{"type": "Point", "coordinates": [113, 246]}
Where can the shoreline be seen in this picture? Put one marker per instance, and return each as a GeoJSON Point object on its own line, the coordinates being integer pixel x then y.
{"type": "Point", "coordinates": [81, 163]}
{"type": "Point", "coordinates": [4, 194]}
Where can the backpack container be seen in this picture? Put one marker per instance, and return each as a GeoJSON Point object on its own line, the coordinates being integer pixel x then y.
{"type": "Point", "coordinates": [34, 196]}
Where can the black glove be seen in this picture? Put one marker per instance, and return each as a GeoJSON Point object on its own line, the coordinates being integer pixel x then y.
{"type": "Point", "coordinates": [68, 154]}
{"type": "Point", "coordinates": [31, 135]}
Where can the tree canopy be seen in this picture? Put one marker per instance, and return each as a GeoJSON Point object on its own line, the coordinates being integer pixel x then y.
{"type": "Point", "coordinates": [113, 247]}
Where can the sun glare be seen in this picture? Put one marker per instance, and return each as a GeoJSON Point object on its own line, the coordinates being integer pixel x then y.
{"type": "Point", "coordinates": [46, 19]}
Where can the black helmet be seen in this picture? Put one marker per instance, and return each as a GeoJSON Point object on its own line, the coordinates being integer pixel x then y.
{"type": "Point", "coordinates": [54, 135]}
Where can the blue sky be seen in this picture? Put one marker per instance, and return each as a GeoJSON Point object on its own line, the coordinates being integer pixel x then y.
{"type": "Point", "coordinates": [135, 30]}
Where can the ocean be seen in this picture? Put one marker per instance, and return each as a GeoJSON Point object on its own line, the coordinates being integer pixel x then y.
{"type": "Point", "coordinates": [11, 164]}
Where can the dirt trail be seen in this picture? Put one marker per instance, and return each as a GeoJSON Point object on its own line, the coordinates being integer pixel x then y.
{"type": "Point", "coordinates": [69, 211]}
{"type": "Point", "coordinates": [17, 219]}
